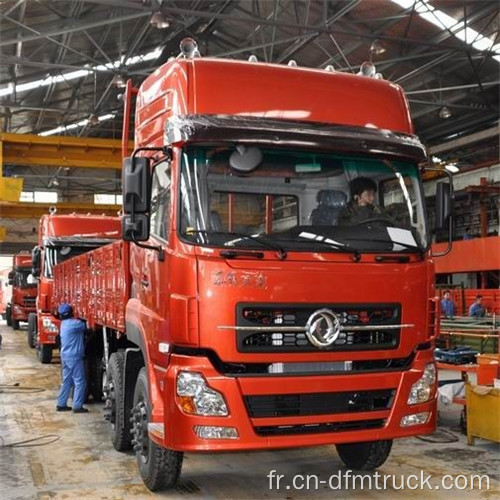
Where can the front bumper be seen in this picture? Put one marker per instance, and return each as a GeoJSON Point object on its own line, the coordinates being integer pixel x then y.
{"type": "Point", "coordinates": [177, 431]}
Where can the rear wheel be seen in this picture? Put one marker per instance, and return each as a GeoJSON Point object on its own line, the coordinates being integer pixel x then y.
{"type": "Point", "coordinates": [8, 315]}
{"type": "Point", "coordinates": [94, 378]}
{"type": "Point", "coordinates": [114, 408]}
{"type": "Point", "coordinates": [160, 468]}
{"type": "Point", "coordinates": [364, 456]}
{"type": "Point", "coordinates": [32, 333]}
{"type": "Point", "coordinates": [45, 354]}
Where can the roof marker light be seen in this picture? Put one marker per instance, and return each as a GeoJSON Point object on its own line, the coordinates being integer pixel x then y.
{"type": "Point", "coordinates": [189, 48]}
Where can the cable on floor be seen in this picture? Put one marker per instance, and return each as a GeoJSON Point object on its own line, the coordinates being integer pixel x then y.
{"type": "Point", "coordinates": [29, 443]}
{"type": "Point", "coordinates": [17, 388]}
{"type": "Point", "coordinates": [446, 437]}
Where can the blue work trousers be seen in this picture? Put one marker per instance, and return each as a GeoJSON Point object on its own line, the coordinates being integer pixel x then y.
{"type": "Point", "coordinates": [73, 372]}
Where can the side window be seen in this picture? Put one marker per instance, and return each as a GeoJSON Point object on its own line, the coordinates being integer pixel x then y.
{"type": "Point", "coordinates": [160, 201]}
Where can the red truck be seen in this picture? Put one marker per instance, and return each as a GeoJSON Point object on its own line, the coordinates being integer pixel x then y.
{"type": "Point", "coordinates": [23, 298]}
{"type": "Point", "coordinates": [239, 312]}
{"type": "Point", "coordinates": [59, 238]}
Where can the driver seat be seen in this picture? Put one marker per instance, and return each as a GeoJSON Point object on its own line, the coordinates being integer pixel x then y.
{"type": "Point", "coordinates": [330, 205]}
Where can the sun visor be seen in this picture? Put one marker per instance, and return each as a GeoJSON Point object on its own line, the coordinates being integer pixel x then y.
{"type": "Point", "coordinates": [281, 133]}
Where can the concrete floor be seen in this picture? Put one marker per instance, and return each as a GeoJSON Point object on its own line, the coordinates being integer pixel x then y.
{"type": "Point", "coordinates": [82, 463]}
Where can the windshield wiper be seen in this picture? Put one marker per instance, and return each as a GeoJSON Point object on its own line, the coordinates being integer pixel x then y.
{"type": "Point", "coordinates": [281, 252]}
{"type": "Point", "coordinates": [330, 244]}
{"type": "Point", "coordinates": [401, 243]}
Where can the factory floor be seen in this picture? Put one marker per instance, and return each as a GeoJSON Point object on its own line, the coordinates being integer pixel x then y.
{"type": "Point", "coordinates": [82, 464]}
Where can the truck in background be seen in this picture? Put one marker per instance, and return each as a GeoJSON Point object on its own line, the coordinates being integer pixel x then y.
{"type": "Point", "coordinates": [239, 312]}
{"type": "Point", "coordinates": [22, 302]}
{"type": "Point", "coordinates": [59, 238]}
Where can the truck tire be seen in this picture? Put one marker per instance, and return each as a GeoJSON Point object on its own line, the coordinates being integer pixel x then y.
{"type": "Point", "coordinates": [32, 333]}
{"type": "Point", "coordinates": [8, 315]}
{"type": "Point", "coordinates": [45, 354]}
{"type": "Point", "coordinates": [364, 456]}
{"type": "Point", "coordinates": [114, 409]}
{"type": "Point", "coordinates": [15, 324]}
{"type": "Point", "coordinates": [94, 378]}
{"type": "Point", "coordinates": [159, 467]}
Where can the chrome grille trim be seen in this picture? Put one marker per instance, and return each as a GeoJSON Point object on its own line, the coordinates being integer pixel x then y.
{"type": "Point", "coordinates": [301, 329]}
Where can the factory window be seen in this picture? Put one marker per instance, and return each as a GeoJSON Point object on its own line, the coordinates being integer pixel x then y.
{"type": "Point", "coordinates": [39, 196]}
{"type": "Point", "coordinates": [108, 199]}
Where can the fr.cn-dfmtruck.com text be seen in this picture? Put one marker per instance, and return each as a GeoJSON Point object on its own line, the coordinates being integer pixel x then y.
{"type": "Point", "coordinates": [348, 480]}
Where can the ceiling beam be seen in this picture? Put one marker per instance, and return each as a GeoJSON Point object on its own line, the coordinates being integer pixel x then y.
{"type": "Point", "coordinates": [48, 30]}
{"type": "Point", "coordinates": [35, 150]}
{"type": "Point", "coordinates": [465, 141]}
{"type": "Point", "coordinates": [36, 210]}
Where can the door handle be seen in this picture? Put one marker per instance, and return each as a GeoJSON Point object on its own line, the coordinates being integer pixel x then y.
{"type": "Point", "coordinates": [144, 282]}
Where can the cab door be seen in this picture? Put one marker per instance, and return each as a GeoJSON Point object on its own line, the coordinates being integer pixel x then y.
{"type": "Point", "coordinates": [155, 275]}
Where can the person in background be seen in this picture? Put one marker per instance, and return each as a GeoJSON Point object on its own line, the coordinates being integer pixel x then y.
{"type": "Point", "coordinates": [476, 310]}
{"type": "Point", "coordinates": [73, 368]}
{"type": "Point", "coordinates": [468, 234]}
{"type": "Point", "coordinates": [448, 308]}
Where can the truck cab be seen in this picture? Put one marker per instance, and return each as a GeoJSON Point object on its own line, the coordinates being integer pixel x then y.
{"type": "Point", "coordinates": [23, 290]}
{"type": "Point", "coordinates": [61, 237]}
{"type": "Point", "coordinates": [266, 310]}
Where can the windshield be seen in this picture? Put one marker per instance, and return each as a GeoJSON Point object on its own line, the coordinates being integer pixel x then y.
{"type": "Point", "coordinates": [56, 255]}
{"type": "Point", "coordinates": [300, 200]}
{"type": "Point", "coordinates": [24, 279]}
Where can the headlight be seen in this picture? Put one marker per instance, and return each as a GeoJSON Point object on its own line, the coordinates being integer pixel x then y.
{"type": "Point", "coordinates": [422, 389]}
{"type": "Point", "coordinates": [194, 396]}
{"type": "Point", "coordinates": [49, 326]}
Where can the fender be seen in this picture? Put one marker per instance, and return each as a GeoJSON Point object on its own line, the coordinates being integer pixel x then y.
{"type": "Point", "coordinates": [136, 335]}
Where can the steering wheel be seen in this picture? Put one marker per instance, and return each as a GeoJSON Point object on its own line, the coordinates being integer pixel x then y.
{"type": "Point", "coordinates": [374, 219]}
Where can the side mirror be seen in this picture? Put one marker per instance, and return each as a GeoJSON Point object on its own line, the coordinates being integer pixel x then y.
{"type": "Point", "coordinates": [135, 227]}
{"type": "Point", "coordinates": [36, 262]}
{"type": "Point", "coordinates": [136, 185]}
{"type": "Point", "coordinates": [444, 207]}
{"type": "Point", "coordinates": [10, 278]}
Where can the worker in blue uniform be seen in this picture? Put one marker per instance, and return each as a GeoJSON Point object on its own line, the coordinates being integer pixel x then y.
{"type": "Point", "coordinates": [72, 351]}
{"type": "Point", "coordinates": [448, 308]}
{"type": "Point", "coordinates": [476, 310]}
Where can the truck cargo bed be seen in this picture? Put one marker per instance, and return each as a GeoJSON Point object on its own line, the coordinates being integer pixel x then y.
{"type": "Point", "coordinates": [96, 284]}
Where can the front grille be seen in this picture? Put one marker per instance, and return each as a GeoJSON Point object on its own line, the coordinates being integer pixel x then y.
{"type": "Point", "coordinates": [284, 430]}
{"type": "Point", "coordinates": [320, 403]}
{"type": "Point", "coordinates": [29, 301]}
{"type": "Point", "coordinates": [287, 315]}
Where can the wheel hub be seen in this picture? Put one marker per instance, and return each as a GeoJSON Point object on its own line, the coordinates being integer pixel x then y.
{"type": "Point", "coordinates": [140, 430]}
{"type": "Point", "coordinates": [110, 402]}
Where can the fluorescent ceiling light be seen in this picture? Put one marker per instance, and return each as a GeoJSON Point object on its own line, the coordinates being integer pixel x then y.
{"type": "Point", "coordinates": [457, 28]}
{"type": "Point", "coordinates": [73, 75]}
{"type": "Point", "coordinates": [72, 126]}
{"type": "Point", "coordinates": [452, 168]}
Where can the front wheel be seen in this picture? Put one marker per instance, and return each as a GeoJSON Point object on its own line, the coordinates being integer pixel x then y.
{"type": "Point", "coordinates": [45, 354]}
{"type": "Point", "coordinates": [160, 468]}
{"type": "Point", "coordinates": [8, 315]}
{"type": "Point", "coordinates": [32, 333]}
{"type": "Point", "coordinates": [15, 324]}
{"type": "Point", "coordinates": [364, 456]}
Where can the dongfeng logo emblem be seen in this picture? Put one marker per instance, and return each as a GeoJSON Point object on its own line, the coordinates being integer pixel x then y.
{"type": "Point", "coordinates": [323, 328]}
